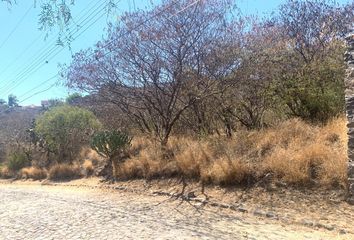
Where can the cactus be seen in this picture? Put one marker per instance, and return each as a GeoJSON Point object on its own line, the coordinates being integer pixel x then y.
{"type": "Point", "coordinates": [110, 144]}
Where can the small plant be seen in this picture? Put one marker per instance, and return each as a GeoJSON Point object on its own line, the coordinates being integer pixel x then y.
{"type": "Point", "coordinates": [17, 161]}
{"type": "Point", "coordinates": [6, 173]}
{"type": "Point", "coordinates": [110, 144]}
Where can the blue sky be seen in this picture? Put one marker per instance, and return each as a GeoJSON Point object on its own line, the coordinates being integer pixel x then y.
{"type": "Point", "coordinates": [22, 45]}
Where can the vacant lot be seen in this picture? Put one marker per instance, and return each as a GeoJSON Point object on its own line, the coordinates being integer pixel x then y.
{"type": "Point", "coordinates": [47, 212]}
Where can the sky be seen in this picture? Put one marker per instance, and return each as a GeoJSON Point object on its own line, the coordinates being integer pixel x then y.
{"type": "Point", "coordinates": [29, 61]}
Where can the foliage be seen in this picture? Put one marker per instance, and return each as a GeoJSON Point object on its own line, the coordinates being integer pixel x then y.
{"type": "Point", "coordinates": [72, 98]}
{"type": "Point", "coordinates": [57, 14]}
{"type": "Point", "coordinates": [225, 71]}
{"type": "Point", "coordinates": [12, 101]}
{"type": "Point", "coordinates": [110, 143]}
{"type": "Point", "coordinates": [314, 92]}
{"type": "Point", "coordinates": [310, 71]}
{"type": "Point", "coordinates": [65, 129]}
{"type": "Point", "coordinates": [17, 160]}
{"type": "Point", "coordinates": [139, 70]}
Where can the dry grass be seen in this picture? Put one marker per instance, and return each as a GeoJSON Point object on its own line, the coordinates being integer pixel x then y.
{"type": "Point", "coordinates": [88, 168]}
{"type": "Point", "coordinates": [89, 160]}
{"type": "Point", "coordinates": [34, 173]}
{"type": "Point", "coordinates": [64, 172]}
{"type": "Point", "coordinates": [294, 152]}
{"type": "Point", "coordinates": [5, 172]}
{"type": "Point", "coordinates": [309, 155]}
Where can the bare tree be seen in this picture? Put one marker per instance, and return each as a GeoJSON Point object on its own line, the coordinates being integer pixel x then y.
{"type": "Point", "coordinates": [156, 71]}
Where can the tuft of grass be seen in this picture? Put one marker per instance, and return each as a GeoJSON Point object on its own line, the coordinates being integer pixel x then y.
{"type": "Point", "coordinates": [64, 172]}
{"type": "Point", "coordinates": [34, 173]}
{"type": "Point", "coordinates": [6, 173]}
{"type": "Point", "coordinates": [226, 171]}
{"type": "Point", "coordinates": [88, 168]}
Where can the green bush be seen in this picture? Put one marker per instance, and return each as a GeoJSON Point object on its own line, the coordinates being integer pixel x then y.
{"type": "Point", "coordinates": [65, 129]}
{"type": "Point", "coordinates": [17, 161]}
{"type": "Point", "coordinates": [110, 143]}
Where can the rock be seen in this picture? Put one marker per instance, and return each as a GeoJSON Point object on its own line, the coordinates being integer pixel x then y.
{"type": "Point", "coordinates": [191, 195]}
{"type": "Point", "coordinates": [328, 227]}
{"type": "Point", "coordinates": [342, 231]}
{"type": "Point", "coordinates": [307, 223]}
{"type": "Point", "coordinates": [271, 215]}
{"type": "Point", "coordinates": [350, 200]}
{"type": "Point", "coordinates": [243, 209]}
{"type": "Point", "coordinates": [259, 212]}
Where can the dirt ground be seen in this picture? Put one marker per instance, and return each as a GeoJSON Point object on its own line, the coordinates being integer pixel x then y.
{"type": "Point", "coordinates": [90, 209]}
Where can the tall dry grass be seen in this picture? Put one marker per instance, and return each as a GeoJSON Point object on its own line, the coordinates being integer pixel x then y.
{"type": "Point", "coordinates": [34, 173]}
{"type": "Point", "coordinates": [64, 171]}
{"type": "Point", "coordinates": [293, 152]}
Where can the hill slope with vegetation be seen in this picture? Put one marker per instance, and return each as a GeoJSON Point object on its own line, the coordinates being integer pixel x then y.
{"type": "Point", "coordinates": [206, 94]}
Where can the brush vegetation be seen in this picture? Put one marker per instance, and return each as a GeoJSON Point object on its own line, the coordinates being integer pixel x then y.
{"type": "Point", "coordinates": [294, 152]}
{"type": "Point", "coordinates": [205, 94]}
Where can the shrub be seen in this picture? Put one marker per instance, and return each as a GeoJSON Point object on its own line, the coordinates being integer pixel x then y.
{"type": "Point", "coordinates": [6, 173]}
{"type": "Point", "coordinates": [34, 173]}
{"type": "Point", "coordinates": [17, 161]}
{"type": "Point", "coordinates": [65, 129]}
{"type": "Point", "coordinates": [111, 144]}
{"type": "Point", "coordinates": [88, 168]}
{"type": "Point", "coordinates": [64, 172]}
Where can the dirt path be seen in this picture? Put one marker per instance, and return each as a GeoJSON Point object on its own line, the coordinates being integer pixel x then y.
{"type": "Point", "coordinates": [48, 212]}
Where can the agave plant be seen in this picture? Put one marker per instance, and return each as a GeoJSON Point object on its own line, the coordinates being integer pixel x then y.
{"type": "Point", "coordinates": [110, 144]}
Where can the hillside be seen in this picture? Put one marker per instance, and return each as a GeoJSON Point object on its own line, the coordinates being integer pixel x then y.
{"type": "Point", "coordinates": [13, 125]}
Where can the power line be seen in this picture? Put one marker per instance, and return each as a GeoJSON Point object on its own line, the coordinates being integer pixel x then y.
{"type": "Point", "coordinates": [15, 28]}
{"type": "Point", "coordinates": [135, 28]}
{"type": "Point", "coordinates": [31, 72]}
{"type": "Point", "coordinates": [35, 94]}
{"type": "Point", "coordinates": [19, 56]}
{"type": "Point", "coordinates": [43, 58]}
{"type": "Point", "coordinates": [150, 18]}
{"type": "Point", "coordinates": [39, 85]}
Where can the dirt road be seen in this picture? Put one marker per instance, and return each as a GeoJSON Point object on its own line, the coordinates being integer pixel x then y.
{"type": "Point", "coordinates": [48, 212]}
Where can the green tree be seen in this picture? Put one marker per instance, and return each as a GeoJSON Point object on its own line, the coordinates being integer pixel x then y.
{"type": "Point", "coordinates": [65, 129]}
{"type": "Point", "coordinates": [309, 67]}
{"type": "Point", "coordinates": [72, 98]}
{"type": "Point", "coordinates": [12, 101]}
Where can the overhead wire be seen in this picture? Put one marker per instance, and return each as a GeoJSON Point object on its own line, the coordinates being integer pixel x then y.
{"type": "Point", "coordinates": [27, 48]}
{"type": "Point", "coordinates": [39, 85]}
{"type": "Point", "coordinates": [42, 58]}
{"type": "Point", "coordinates": [135, 28]}
{"type": "Point", "coordinates": [16, 27]}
